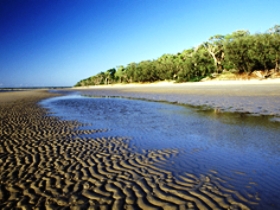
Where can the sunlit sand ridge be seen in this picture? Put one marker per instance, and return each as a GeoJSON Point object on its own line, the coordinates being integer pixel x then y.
{"type": "Point", "coordinates": [47, 163]}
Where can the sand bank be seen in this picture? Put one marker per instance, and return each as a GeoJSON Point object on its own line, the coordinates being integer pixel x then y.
{"type": "Point", "coordinates": [46, 164]}
{"type": "Point", "coordinates": [251, 96]}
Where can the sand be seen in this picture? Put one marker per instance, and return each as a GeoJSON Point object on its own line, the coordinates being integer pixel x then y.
{"type": "Point", "coordinates": [48, 163]}
{"type": "Point", "coordinates": [257, 97]}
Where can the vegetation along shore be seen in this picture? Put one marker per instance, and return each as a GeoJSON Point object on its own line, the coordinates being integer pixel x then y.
{"type": "Point", "coordinates": [236, 55]}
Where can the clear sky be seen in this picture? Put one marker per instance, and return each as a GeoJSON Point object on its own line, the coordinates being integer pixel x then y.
{"type": "Point", "coordinates": [59, 42]}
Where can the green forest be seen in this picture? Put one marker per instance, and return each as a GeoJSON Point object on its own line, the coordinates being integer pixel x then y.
{"type": "Point", "coordinates": [239, 52]}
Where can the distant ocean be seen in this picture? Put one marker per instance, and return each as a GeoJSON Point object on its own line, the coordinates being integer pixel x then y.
{"type": "Point", "coordinates": [8, 89]}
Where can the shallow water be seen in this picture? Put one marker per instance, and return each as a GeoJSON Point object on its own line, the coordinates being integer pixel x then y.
{"type": "Point", "coordinates": [243, 151]}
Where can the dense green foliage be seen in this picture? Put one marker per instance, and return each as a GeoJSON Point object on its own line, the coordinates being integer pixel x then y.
{"type": "Point", "coordinates": [238, 52]}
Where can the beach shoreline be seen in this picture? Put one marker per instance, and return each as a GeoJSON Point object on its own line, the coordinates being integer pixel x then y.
{"type": "Point", "coordinates": [253, 97]}
{"type": "Point", "coordinates": [187, 84]}
{"type": "Point", "coordinates": [45, 163]}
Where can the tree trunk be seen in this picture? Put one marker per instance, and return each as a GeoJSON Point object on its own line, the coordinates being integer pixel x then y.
{"type": "Point", "coordinates": [214, 58]}
{"type": "Point", "coordinates": [276, 66]}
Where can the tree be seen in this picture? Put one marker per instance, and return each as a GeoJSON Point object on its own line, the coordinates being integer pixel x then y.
{"type": "Point", "coordinates": [237, 34]}
{"type": "Point", "coordinates": [203, 63]}
{"type": "Point", "coordinates": [274, 30]}
{"type": "Point", "coordinates": [239, 50]}
{"type": "Point", "coordinates": [215, 47]}
{"type": "Point", "coordinates": [130, 72]}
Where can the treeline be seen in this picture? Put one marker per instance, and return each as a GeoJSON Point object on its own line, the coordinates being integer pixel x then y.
{"type": "Point", "coordinates": [238, 52]}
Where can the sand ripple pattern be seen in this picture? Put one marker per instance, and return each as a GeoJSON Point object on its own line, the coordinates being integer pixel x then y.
{"type": "Point", "coordinates": [47, 163]}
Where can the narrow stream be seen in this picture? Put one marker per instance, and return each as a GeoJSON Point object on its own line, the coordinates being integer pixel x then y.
{"type": "Point", "coordinates": [243, 151]}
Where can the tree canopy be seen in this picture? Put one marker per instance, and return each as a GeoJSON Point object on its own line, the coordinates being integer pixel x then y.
{"type": "Point", "coordinates": [239, 51]}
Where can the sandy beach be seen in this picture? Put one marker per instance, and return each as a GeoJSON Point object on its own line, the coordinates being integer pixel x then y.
{"type": "Point", "coordinates": [49, 163]}
{"type": "Point", "coordinates": [46, 164]}
{"type": "Point", "coordinates": [257, 97]}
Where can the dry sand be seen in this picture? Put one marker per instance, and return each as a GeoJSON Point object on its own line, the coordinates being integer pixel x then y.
{"type": "Point", "coordinates": [251, 96]}
{"type": "Point", "coordinates": [46, 164]}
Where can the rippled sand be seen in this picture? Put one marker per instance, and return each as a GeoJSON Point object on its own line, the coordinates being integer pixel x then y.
{"type": "Point", "coordinates": [48, 163]}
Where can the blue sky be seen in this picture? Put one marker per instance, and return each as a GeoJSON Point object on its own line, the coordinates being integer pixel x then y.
{"type": "Point", "coordinates": [59, 42]}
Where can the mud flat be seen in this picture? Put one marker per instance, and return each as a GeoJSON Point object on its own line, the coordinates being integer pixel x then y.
{"type": "Point", "coordinates": [48, 163]}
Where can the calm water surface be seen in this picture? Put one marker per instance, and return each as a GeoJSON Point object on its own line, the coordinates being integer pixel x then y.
{"type": "Point", "coordinates": [244, 151]}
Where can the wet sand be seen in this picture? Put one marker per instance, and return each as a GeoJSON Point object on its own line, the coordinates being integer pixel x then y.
{"type": "Point", "coordinates": [255, 97]}
{"type": "Point", "coordinates": [48, 163]}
